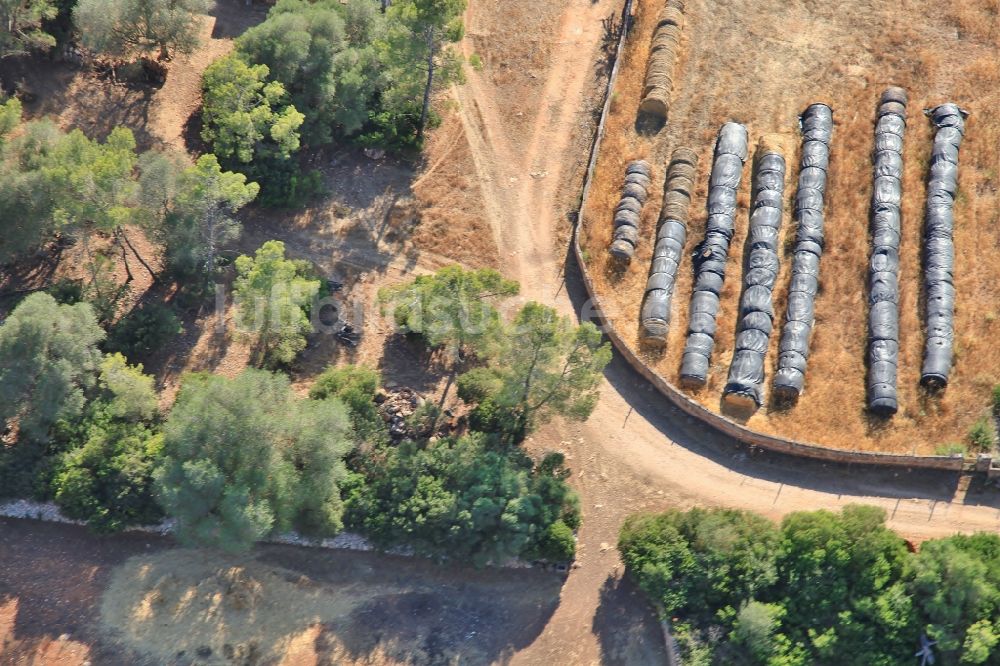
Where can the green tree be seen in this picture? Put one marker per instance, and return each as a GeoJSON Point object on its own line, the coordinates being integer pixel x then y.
{"type": "Point", "coordinates": [93, 187]}
{"type": "Point", "coordinates": [841, 582]}
{"type": "Point", "coordinates": [23, 188]}
{"type": "Point", "coordinates": [132, 28]}
{"type": "Point", "coordinates": [105, 475]}
{"type": "Point", "coordinates": [956, 584]}
{"type": "Point", "coordinates": [246, 117]}
{"type": "Point", "coordinates": [244, 458]}
{"type": "Point", "coordinates": [546, 365]}
{"type": "Point", "coordinates": [756, 626]}
{"type": "Point", "coordinates": [462, 499]}
{"type": "Point", "coordinates": [273, 297]}
{"type": "Point", "coordinates": [299, 43]}
{"type": "Point", "coordinates": [728, 556]}
{"type": "Point", "coordinates": [193, 207]}
{"type": "Point", "coordinates": [453, 308]}
{"type": "Point", "coordinates": [48, 361]}
{"type": "Point", "coordinates": [416, 51]}
{"type": "Point", "coordinates": [21, 26]}
{"type": "Point", "coordinates": [355, 386]}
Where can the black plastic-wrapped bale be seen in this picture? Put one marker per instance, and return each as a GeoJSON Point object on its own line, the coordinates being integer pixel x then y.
{"type": "Point", "coordinates": [883, 267]}
{"type": "Point", "coordinates": [817, 128]}
{"type": "Point", "coordinates": [939, 249]}
{"type": "Point", "coordinates": [635, 191]}
{"type": "Point", "coordinates": [659, 83]}
{"type": "Point", "coordinates": [654, 318]}
{"type": "Point", "coordinates": [711, 254]}
{"type": "Point", "coordinates": [743, 389]}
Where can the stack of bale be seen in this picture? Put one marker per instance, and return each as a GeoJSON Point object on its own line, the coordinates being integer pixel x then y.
{"type": "Point", "coordinates": [883, 276]}
{"type": "Point", "coordinates": [746, 372]}
{"type": "Point", "coordinates": [660, 69]}
{"type": "Point", "coordinates": [629, 210]}
{"type": "Point", "coordinates": [711, 254]}
{"type": "Point", "coordinates": [939, 248]}
{"type": "Point", "coordinates": [793, 350]}
{"type": "Point", "coordinates": [670, 238]}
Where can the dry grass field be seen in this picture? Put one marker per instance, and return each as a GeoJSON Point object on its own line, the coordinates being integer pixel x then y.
{"type": "Point", "coordinates": [761, 64]}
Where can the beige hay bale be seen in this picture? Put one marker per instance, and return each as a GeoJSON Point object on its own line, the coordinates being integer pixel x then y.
{"type": "Point", "coordinates": [669, 15]}
{"type": "Point", "coordinates": [656, 103]}
{"type": "Point", "coordinates": [683, 155]}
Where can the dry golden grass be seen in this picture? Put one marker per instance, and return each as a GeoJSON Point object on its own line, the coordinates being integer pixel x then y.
{"type": "Point", "coordinates": [761, 64]}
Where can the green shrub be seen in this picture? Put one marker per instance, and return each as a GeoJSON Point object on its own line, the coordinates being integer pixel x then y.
{"type": "Point", "coordinates": [355, 386]}
{"type": "Point", "coordinates": [476, 62]}
{"type": "Point", "coordinates": [396, 131]}
{"type": "Point", "coordinates": [950, 449]}
{"type": "Point", "coordinates": [557, 544]}
{"type": "Point", "coordinates": [144, 330]}
{"type": "Point", "coordinates": [996, 400]}
{"type": "Point", "coordinates": [982, 435]}
{"type": "Point", "coordinates": [66, 291]}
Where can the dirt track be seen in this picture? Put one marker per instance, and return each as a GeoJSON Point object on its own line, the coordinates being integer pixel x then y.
{"type": "Point", "coordinates": [636, 452]}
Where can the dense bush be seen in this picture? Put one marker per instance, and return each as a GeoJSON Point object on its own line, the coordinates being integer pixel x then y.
{"type": "Point", "coordinates": [823, 588]}
{"type": "Point", "coordinates": [355, 386]}
{"type": "Point", "coordinates": [462, 499]}
{"type": "Point", "coordinates": [244, 458]}
{"type": "Point", "coordinates": [144, 330]}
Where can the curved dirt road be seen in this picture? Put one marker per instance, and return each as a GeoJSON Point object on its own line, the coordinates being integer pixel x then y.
{"type": "Point", "coordinates": [637, 452]}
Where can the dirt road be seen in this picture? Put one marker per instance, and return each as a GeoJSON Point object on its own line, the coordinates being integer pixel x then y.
{"type": "Point", "coordinates": [637, 452]}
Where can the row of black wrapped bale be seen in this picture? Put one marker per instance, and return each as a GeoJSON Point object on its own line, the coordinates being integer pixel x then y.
{"type": "Point", "coordinates": [746, 373]}
{"type": "Point", "coordinates": [659, 82]}
{"type": "Point", "coordinates": [883, 268]}
{"type": "Point", "coordinates": [671, 236]}
{"type": "Point", "coordinates": [731, 150]}
{"type": "Point", "coordinates": [628, 212]}
{"type": "Point", "coordinates": [793, 347]}
{"type": "Point", "coordinates": [939, 247]}
{"type": "Point", "coordinates": [743, 388]}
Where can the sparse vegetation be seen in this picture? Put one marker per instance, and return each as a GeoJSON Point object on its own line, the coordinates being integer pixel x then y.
{"type": "Point", "coordinates": [982, 436]}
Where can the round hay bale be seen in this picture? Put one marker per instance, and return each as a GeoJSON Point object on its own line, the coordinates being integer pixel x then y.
{"type": "Point", "coordinates": [681, 171]}
{"type": "Point", "coordinates": [623, 217]}
{"type": "Point", "coordinates": [677, 197]}
{"type": "Point", "coordinates": [629, 204]}
{"type": "Point", "coordinates": [680, 184]}
{"type": "Point", "coordinates": [622, 250]}
{"type": "Point", "coordinates": [677, 4]}
{"type": "Point", "coordinates": [656, 103]}
{"type": "Point", "coordinates": [684, 155]}
{"type": "Point", "coordinates": [637, 192]}
{"type": "Point", "coordinates": [892, 108]}
{"type": "Point", "coordinates": [655, 88]}
{"type": "Point", "coordinates": [628, 233]}
{"type": "Point", "coordinates": [674, 211]}
{"type": "Point", "coordinates": [639, 166]}
{"type": "Point", "coordinates": [638, 179]}
{"type": "Point", "coordinates": [669, 15]}
{"type": "Point", "coordinates": [894, 94]}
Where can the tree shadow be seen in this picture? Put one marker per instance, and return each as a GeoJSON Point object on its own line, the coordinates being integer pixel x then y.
{"type": "Point", "coordinates": [626, 627]}
{"type": "Point", "coordinates": [426, 613]}
{"type": "Point", "coordinates": [53, 575]}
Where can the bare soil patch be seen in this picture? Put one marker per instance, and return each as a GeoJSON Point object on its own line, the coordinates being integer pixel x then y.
{"type": "Point", "coordinates": [67, 596]}
{"type": "Point", "coordinates": [762, 64]}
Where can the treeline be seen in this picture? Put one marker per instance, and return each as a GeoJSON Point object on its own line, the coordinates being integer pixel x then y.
{"type": "Point", "coordinates": [235, 460]}
{"type": "Point", "coordinates": [314, 72]}
{"type": "Point", "coordinates": [317, 71]}
{"type": "Point", "coordinates": [821, 588]}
